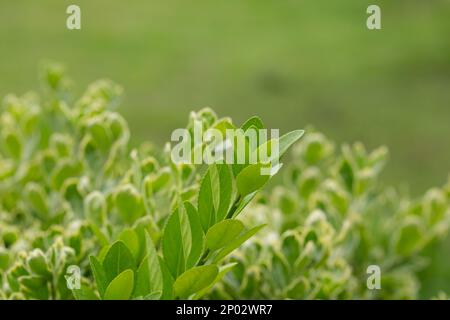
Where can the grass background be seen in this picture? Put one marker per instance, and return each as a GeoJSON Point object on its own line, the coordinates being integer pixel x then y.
{"type": "Point", "coordinates": [293, 62]}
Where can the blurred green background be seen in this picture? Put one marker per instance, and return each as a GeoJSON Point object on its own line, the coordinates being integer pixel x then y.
{"type": "Point", "coordinates": [293, 62]}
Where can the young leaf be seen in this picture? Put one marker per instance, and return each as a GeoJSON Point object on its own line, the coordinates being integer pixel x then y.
{"type": "Point", "coordinates": [38, 263]}
{"type": "Point", "coordinates": [118, 259]}
{"type": "Point", "coordinates": [215, 197]}
{"type": "Point", "coordinates": [222, 272]}
{"type": "Point", "coordinates": [253, 122]}
{"type": "Point", "coordinates": [243, 203]}
{"type": "Point", "coordinates": [287, 140]}
{"type": "Point", "coordinates": [129, 203]}
{"type": "Point", "coordinates": [205, 202]}
{"type": "Point", "coordinates": [84, 293]}
{"type": "Point", "coordinates": [176, 242]}
{"type": "Point", "coordinates": [409, 239]}
{"type": "Point", "coordinates": [194, 280]}
{"type": "Point", "coordinates": [101, 237]}
{"type": "Point", "coordinates": [95, 207]}
{"type": "Point", "coordinates": [146, 225]}
{"type": "Point", "coordinates": [102, 253]}
{"type": "Point", "coordinates": [99, 275]}
{"type": "Point", "coordinates": [167, 281]}
{"type": "Point", "coordinates": [131, 240]}
{"type": "Point", "coordinates": [236, 243]}
{"type": "Point", "coordinates": [36, 197]}
{"type": "Point", "coordinates": [121, 286]}
{"type": "Point", "coordinates": [36, 286]}
{"type": "Point", "coordinates": [159, 180]}
{"type": "Point", "coordinates": [149, 279]}
{"type": "Point", "coordinates": [223, 233]}
{"type": "Point", "coordinates": [196, 234]}
{"type": "Point", "coordinates": [13, 145]}
{"type": "Point", "coordinates": [265, 153]}
{"type": "Point", "coordinates": [250, 179]}
{"type": "Point", "coordinates": [225, 184]}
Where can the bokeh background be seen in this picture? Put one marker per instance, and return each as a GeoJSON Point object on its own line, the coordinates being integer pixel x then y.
{"type": "Point", "coordinates": [293, 62]}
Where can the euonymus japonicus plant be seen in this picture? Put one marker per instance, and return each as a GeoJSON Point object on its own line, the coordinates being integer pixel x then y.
{"type": "Point", "coordinates": [134, 223]}
{"type": "Point", "coordinates": [328, 222]}
{"type": "Point", "coordinates": [74, 192]}
{"type": "Point", "coordinates": [180, 255]}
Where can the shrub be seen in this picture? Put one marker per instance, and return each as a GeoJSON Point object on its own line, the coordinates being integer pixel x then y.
{"type": "Point", "coordinates": [329, 221]}
{"type": "Point", "coordinates": [73, 193]}
{"type": "Point", "coordinates": [77, 199]}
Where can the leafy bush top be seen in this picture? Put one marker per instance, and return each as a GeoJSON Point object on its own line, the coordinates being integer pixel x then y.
{"type": "Point", "coordinates": [329, 221]}
{"type": "Point", "coordinates": [74, 193]}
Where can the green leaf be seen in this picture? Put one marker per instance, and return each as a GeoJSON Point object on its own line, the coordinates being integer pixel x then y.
{"type": "Point", "coordinates": [250, 179]}
{"type": "Point", "coordinates": [299, 288]}
{"type": "Point", "coordinates": [223, 124]}
{"type": "Point", "coordinates": [99, 275]}
{"type": "Point", "coordinates": [84, 293]}
{"type": "Point", "coordinates": [265, 152]}
{"type": "Point", "coordinates": [205, 202]}
{"type": "Point", "coordinates": [100, 134]}
{"type": "Point", "coordinates": [131, 240]}
{"type": "Point", "coordinates": [159, 180]}
{"type": "Point", "coordinates": [36, 197]}
{"type": "Point", "coordinates": [215, 195]}
{"type": "Point", "coordinates": [33, 282]}
{"type": "Point", "coordinates": [236, 243]}
{"type": "Point", "coordinates": [36, 286]}
{"type": "Point", "coordinates": [152, 296]}
{"type": "Point", "coordinates": [149, 279]}
{"type": "Point", "coordinates": [243, 148]}
{"type": "Point", "coordinates": [129, 203]}
{"type": "Point", "coordinates": [4, 259]}
{"type": "Point", "coordinates": [176, 242]}
{"type": "Point", "coordinates": [167, 281]}
{"type": "Point", "coordinates": [222, 272]}
{"type": "Point", "coordinates": [101, 237]}
{"type": "Point", "coordinates": [95, 207]}
{"type": "Point", "coordinates": [253, 122]}
{"type": "Point", "coordinates": [196, 234]}
{"type": "Point", "coordinates": [409, 239]}
{"type": "Point", "coordinates": [13, 145]}
{"type": "Point", "coordinates": [243, 203]}
{"type": "Point", "coordinates": [121, 286]}
{"type": "Point", "coordinates": [287, 140]}
{"type": "Point", "coordinates": [225, 184]}
{"type": "Point", "coordinates": [142, 226]}
{"type": "Point", "coordinates": [38, 263]}
{"type": "Point", "coordinates": [118, 259]}
{"type": "Point", "coordinates": [194, 280]}
{"type": "Point", "coordinates": [64, 170]}
{"type": "Point", "coordinates": [223, 233]}
{"type": "Point", "coordinates": [347, 174]}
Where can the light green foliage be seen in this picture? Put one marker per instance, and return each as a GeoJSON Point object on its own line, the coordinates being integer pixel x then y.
{"type": "Point", "coordinates": [139, 226]}
{"type": "Point", "coordinates": [194, 280]}
{"type": "Point", "coordinates": [73, 192]}
{"type": "Point", "coordinates": [330, 220]}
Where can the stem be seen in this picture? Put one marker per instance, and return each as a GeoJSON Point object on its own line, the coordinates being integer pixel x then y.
{"type": "Point", "coordinates": [234, 207]}
{"type": "Point", "coordinates": [204, 257]}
